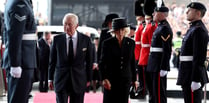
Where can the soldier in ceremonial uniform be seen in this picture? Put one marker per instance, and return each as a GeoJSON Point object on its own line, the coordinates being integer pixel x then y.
{"type": "Point", "coordinates": [192, 72]}
{"type": "Point", "coordinates": [160, 52]}
{"type": "Point", "coordinates": [19, 58]}
{"type": "Point", "coordinates": [139, 4]}
{"type": "Point", "coordinates": [146, 37]}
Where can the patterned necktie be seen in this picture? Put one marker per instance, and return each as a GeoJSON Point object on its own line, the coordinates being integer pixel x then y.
{"type": "Point", "coordinates": [70, 53]}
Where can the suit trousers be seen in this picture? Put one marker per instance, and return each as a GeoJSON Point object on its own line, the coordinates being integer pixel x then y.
{"type": "Point", "coordinates": [62, 97]}
{"type": "Point", "coordinates": [190, 96]}
{"type": "Point", "coordinates": [43, 82]}
{"type": "Point", "coordinates": [19, 88]}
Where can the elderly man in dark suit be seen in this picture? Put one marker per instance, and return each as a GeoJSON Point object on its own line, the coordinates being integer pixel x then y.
{"type": "Point", "coordinates": [19, 58]}
{"type": "Point", "coordinates": [70, 62]}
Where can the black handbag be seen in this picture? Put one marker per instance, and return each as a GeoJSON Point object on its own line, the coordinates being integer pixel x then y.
{"type": "Point", "coordinates": [134, 92]}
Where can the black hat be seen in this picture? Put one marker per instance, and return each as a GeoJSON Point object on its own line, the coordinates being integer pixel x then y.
{"type": "Point", "coordinates": [161, 9]}
{"type": "Point", "coordinates": [139, 4]}
{"type": "Point", "coordinates": [149, 6]}
{"type": "Point", "coordinates": [119, 23]}
{"type": "Point", "coordinates": [197, 5]}
{"type": "Point", "coordinates": [109, 18]}
{"type": "Point", "coordinates": [132, 27]}
{"type": "Point", "coordinates": [178, 33]}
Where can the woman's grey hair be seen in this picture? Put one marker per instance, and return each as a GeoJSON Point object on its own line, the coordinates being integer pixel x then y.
{"type": "Point", "coordinates": [72, 16]}
{"type": "Point", "coordinates": [126, 31]}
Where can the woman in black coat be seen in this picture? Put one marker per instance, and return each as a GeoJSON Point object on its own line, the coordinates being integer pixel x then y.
{"type": "Point", "coordinates": [117, 64]}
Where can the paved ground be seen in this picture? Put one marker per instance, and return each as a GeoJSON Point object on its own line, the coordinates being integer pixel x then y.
{"type": "Point", "coordinates": [170, 100]}
{"type": "Point", "coordinates": [171, 86]}
{"type": "Point", "coordinates": [35, 86]}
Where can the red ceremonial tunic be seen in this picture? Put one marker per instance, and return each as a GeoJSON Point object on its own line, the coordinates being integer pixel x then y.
{"type": "Point", "coordinates": [138, 41]}
{"type": "Point", "coordinates": [146, 38]}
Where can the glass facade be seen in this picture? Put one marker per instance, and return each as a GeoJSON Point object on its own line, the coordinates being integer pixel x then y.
{"type": "Point", "coordinates": [91, 12]}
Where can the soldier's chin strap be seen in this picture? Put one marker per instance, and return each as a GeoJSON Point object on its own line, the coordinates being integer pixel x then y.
{"type": "Point", "coordinates": [159, 3]}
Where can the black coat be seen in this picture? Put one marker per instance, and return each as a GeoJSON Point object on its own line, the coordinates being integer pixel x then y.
{"type": "Point", "coordinates": [103, 36]}
{"type": "Point", "coordinates": [81, 68]}
{"type": "Point", "coordinates": [116, 62]}
{"type": "Point", "coordinates": [118, 66]}
{"type": "Point", "coordinates": [194, 44]}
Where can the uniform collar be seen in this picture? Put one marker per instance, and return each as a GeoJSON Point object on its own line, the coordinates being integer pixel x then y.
{"type": "Point", "coordinates": [195, 23]}
{"type": "Point", "coordinates": [162, 22]}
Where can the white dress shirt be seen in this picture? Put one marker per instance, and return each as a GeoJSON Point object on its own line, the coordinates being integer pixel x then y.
{"type": "Point", "coordinates": [75, 39]}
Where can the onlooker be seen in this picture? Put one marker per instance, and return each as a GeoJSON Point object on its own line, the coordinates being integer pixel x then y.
{"type": "Point", "coordinates": [106, 26]}
{"type": "Point", "coordinates": [132, 32]}
{"type": "Point", "coordinates": [192, 72]}
{"type": "Point", "coordinates": [176, 49]}
{"type": "Point", "coordinates": [19, 58]}
{"type": "Point", "coordinates": [96, 77]}
{"type": "Point", "coordinates": [44, 45]}
{"type": "Point", "coordinates": [70, 62]}
{"type": "Point", "coordinates": [118, 64]}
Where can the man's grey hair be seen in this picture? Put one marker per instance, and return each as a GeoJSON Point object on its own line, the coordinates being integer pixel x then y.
{"type": "Point", "coordinates": [70, 15]}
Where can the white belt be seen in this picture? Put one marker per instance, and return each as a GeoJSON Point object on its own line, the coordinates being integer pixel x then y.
{"type": "Point", "coordinates": [186, 58]}
{"type": "Point", "coordinates": [145, 45]}
{"type": "Point", "coordinates": [137, 42]}
{"type": "Point", "coordinates": [31, 36]}
{"type": "Point", "coordinates": [155, 49]}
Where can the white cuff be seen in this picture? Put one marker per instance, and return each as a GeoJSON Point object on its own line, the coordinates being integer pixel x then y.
{"type": "Point", "coordinates": [163, 73]}
{"type": "Point", "coordinates": [195, 85]}
{"type": "Point", "coordinates": [16, 72]}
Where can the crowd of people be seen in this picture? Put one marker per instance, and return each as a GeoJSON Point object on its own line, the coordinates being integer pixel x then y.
{"type": "Point", "coordinates": [117, 60]}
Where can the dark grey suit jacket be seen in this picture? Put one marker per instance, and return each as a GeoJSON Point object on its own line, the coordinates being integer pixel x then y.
{"type": "Point", "coordinates": [59, 67]}
{"type": "Point", "coordinates": [44, 50]}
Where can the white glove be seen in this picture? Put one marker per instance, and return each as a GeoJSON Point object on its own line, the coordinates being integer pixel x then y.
{"type": "Point", "coordinates": [163, 73]}
{"type": "Point", "coordinates": [195, 86]}
{"type": "Point", "coordinates": [16, 72]}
